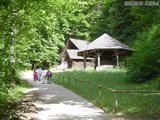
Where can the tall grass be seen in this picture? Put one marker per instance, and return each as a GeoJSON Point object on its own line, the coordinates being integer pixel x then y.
{"type": "Point", "coordinates": [138, 105]}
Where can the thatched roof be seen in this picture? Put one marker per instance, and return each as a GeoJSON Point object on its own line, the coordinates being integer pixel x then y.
{"type": "Point", "coordinates": [80, 44]}
{"type": "Point", "coordinates": [106, 42]}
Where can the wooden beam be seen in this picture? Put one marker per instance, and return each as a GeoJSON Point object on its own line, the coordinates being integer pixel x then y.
{"type": "Point", "coordinates": [84, 60]}
{"type": "Point", "coordinates": [99, 60]}
{"type": "Point", "coordinates": [98, 55]}
{"type": "Point", "coordinates": [117, 58]}
{"type": "Point", "coordinates": [118, 53]}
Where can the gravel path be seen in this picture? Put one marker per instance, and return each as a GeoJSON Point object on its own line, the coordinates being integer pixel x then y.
{"type": "Point", "coordinates": [58, 103]}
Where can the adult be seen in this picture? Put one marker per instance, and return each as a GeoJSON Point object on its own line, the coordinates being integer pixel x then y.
{"type": "Point", "coordinates": [49, 75]}
{"type": "Point", "coordinates": [43, 76]}
{"type": "Point", "coordinates": [35, 75]}
{"type": "Point", "coordinates": [40, 71]}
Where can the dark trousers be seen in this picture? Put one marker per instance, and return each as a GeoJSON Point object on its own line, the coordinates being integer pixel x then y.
{"type": "Point", "coordinates": [49, 80]}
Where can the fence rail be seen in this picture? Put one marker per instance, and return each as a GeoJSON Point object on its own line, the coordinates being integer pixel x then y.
{"type": "Point", "coordinates": [115, 92]}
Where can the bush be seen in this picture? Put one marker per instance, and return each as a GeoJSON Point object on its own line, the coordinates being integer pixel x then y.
{"type": "Point", "coordinates": [145, 62]}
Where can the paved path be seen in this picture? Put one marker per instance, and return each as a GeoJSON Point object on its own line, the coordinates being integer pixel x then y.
{"type": "Point", "coordinates": [59, 103]}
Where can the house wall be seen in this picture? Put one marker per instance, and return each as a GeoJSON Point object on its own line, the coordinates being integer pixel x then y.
{"type": "Point", "coordinates": [76, 63]}
{"type": "Point", "coordinates": [79, 64]}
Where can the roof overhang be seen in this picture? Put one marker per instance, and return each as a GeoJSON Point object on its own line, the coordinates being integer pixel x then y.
{"type": "Point", "coordinates": [92, 52]}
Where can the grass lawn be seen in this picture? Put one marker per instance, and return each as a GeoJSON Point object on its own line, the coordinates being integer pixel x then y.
{"type": "Point", "coordinates": [143, 106]}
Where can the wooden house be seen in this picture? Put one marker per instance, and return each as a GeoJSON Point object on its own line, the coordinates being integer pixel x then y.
{"type": "Point", "coordinates": [69, 57]}
{"type": "Point", "coordinates": [106, 50]}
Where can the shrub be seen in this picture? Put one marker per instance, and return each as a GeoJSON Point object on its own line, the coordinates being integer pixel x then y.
{"type": "Point", "coordinates": [145, 62]}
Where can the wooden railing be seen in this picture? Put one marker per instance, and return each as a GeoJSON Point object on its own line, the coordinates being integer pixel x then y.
{"type": "Point", "coordinates": [115, 92]}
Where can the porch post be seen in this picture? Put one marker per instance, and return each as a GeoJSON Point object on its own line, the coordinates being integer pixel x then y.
{"type": "Point", "coordinates": [84, 60]}
{"type": "Point", "coordinates": [99, 60]}
{"type": "Point", "coordinates": [117, 58]}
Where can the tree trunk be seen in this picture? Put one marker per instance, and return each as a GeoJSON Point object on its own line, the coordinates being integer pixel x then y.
{"type": "Point", "coordinates": [12, 74]}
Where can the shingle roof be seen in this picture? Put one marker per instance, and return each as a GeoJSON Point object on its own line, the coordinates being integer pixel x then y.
{"type": "Point", "coordinates": [106, 42]}
{"type": "Point", "coordinates": [73, 54]}
{"type": "Point", "coordinates": [80, 44]}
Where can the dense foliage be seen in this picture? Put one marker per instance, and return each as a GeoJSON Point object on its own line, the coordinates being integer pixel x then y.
{"type": "Point", "coordinates": [32, 31]}
{"type": "Point", "coordinates": [145, 63]}
{"type": "Point", "coordinates": [36, 30]}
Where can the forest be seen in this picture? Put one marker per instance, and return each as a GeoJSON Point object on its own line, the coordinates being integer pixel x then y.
{"type": "Point", "coordinates": [36, 30]}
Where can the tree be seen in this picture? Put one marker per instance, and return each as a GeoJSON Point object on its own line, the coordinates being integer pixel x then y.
{"type": "Point", "coordinates": [144, 64]}
{"type": "Point", "coordinates": [33, 31]}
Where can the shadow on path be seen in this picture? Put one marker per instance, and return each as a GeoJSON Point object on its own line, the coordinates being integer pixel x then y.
{"type": "Point", "coordinates": [59, 103]}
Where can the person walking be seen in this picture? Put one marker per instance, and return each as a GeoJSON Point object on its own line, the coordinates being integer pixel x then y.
{"type": "Point", "coordinates": [40, 71]}
{"type": "Point", "coordinates": [35, 75]}
{"type": "Point", "coordinates": [49, 76]}
{"type": "Point", "coordinates": [43, 76]}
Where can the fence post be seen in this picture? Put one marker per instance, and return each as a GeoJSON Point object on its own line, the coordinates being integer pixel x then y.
{"type": "Point", "coordinates": [88, 89]}
{"type": "Point", "coordinates": [75, 80]}
{"type": "Point", "coordinates": [80, 83]}
{"type": "Point", "coordinates": [62, 79]}
{"type": "Point", "coordinates": [55, 77]}
{"type": "Point", "coordinates": [69, 81]}
{"type": "Point", "coordinates": [58, 78]}
{"type": "Point", "coordinates": [99, 92]}
{"type": "Point", "coordinates": [116, 102]}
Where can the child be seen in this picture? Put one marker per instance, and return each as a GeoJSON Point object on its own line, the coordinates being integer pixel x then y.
{"type": "Point", "coordinates": [49, 75]}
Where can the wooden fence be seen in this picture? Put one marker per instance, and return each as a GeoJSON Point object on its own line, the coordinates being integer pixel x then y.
{"type": "Point", "coordinates": [115, 92]}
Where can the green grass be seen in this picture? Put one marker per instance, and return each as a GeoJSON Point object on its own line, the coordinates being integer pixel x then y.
{"type": "Point", "coordinates": [133, 105]}
{"type": "Point", "coordinates": [14, 92]}
{"type": "Point", "coordinates": [7, 99]}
